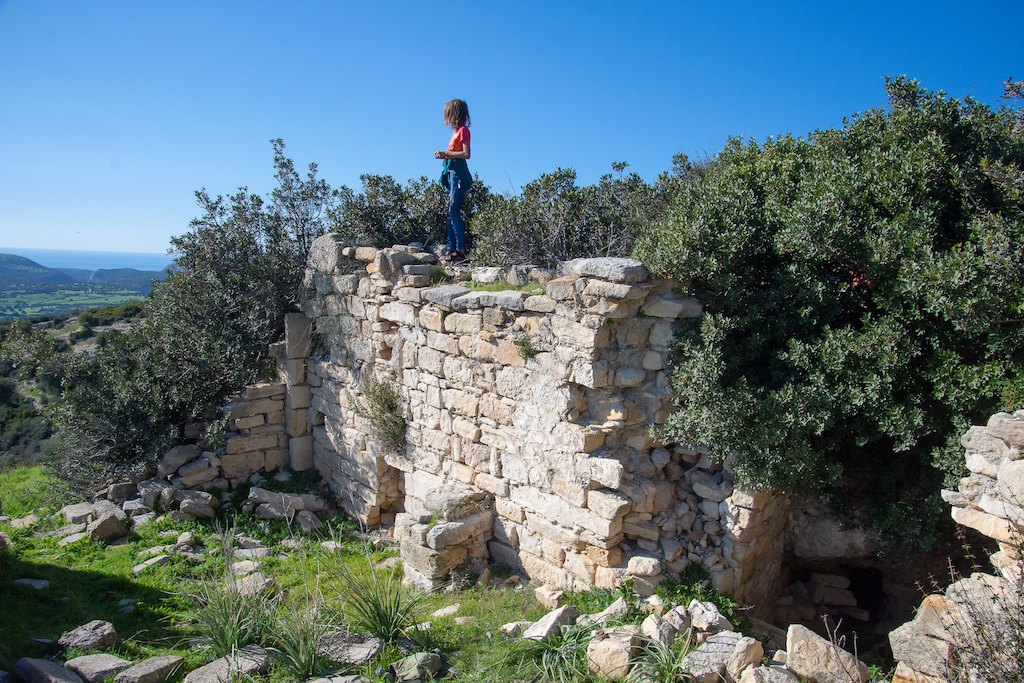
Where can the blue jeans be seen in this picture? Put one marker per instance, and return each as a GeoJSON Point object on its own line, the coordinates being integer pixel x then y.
{"type": "Point", "coordinates": [456, 229]}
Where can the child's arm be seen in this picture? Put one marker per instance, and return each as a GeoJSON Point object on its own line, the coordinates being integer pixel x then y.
{"type": "Point", "coordinates": [444, 154]}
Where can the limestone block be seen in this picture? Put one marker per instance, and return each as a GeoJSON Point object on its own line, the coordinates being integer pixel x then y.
{"type": "Point", "coordinates": [1006, 427]}
{"type": "Point", "coordinates": [606, 268]}
{"type": "Point", "coordinates": [658, 630]}
{"type": "Point", "coordinates": [607, 472]}
{"type": "Point", "coordinates": [95, 635]}
{"type": "Point", "coordinates": [629, 377]}
{"type": "Point", "coordinates": [249, 408]}
{"type": "Point", "coordinates": [496, 485]}
{"type": "Point", "coordinates": [707, 663]}
{"type": "Point", "coordinates": [175, 458]}
{"type": "Point", "coordinates": [987, 524]}
{"type": "Point", "coordinates": [236, 465]}
{"type": "Point", "coordinates": [643, 566]}
{"type": "Point", "coordinates": [551, 623]}
{"type": "Point", "coordinates": [563, 288]}
{"type": "Point", "coordinates": [660, 307]}
{"type": "Point", "coordinates": [539, 304]}
{"type": "Point", "coordinates": [810, 655]}
{"type": "Point", "coordinates": [611, 651]}
{"type": "Point", "coordinates": [299, 396]}
{"type": "Point", "coordinates": [432, 563]}
{"type": "Point", "coordinates": [748, 652]}
{"type": "Point", "coordinates": [297, 335]}
{"type": "Point", "coordinates": [923, 653]}
{"type": "Point", "coordinates": [704, 616]}
{"type": "Point", "coordinates": [456, 532]}
{"type": "Point", "coordinates": [905, 674]}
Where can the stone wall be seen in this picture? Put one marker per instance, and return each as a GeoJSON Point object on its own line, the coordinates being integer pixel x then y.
{"type": "Point", "coordinates": [543, 399]}
{"type": "Point", "coordinates": [971, 630]}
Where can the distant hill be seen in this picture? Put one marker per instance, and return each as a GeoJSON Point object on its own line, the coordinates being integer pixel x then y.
{"type": "Point", "coordinates": [14, 268]}
{"type": "Point", "coordinates": [78, 274]}
{"type": "Point", "coordinates": [128, 277]}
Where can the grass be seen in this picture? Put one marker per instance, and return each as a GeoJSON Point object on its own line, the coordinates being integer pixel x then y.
{"type": "Point", "coordinates": [183, 601]}
{"type": "Point", "coordinates": [23, 489]}
{"type": "Point", "coordinates": [532, 288]}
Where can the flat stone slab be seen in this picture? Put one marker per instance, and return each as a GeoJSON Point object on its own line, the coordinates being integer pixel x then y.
{"type": "Point", "coordinates": [708, 661]}
{"type": "Point", "coordinates": [445, 294]}
{"type": "Point", "coordinates": [152, 670]}
{"type": "Point", "coordinates": [607, 268]}
{"type": "Point", "coordinates": [43, 671]}
{"type": "Point", "coordinates": [97, 668]}
{"type": "Point", "coordinates": [38, 584]}
{"type": "Point", "coordinates": [350, 648]}
{"type": "Point", "coordinates": [248, 661]}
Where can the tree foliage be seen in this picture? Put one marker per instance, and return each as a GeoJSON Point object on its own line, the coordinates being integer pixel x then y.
{"type": "Point", "coordinates": [554, 219]}
{"type": "Point", "coordinates": [863, 296]}
{"type": "Point", "coordinates": [206, 328]}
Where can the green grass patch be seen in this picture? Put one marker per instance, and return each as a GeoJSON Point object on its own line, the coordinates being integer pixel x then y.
{"type": "Point", "coordinates": [24, 489]}
{"type": "Point", "coordinates": [532, 288]}
{"type": "Point", "coordinates": [20, 300]}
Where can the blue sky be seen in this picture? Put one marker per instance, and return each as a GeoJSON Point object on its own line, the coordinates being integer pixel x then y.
{"type": "Point", "coordinates": [113, 113]}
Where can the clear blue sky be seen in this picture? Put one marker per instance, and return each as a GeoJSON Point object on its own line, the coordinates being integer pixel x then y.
{"type": "Point", "coordinates": [113, 113]}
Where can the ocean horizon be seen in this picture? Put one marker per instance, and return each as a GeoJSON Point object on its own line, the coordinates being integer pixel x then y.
{"type": "Point", "coordinates": [92, 260]}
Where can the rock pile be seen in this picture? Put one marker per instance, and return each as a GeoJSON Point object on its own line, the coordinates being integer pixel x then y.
{"type": "Point", "coordinates": [447, 527]}
{"type": "Point", "coordinates": [723, 655]}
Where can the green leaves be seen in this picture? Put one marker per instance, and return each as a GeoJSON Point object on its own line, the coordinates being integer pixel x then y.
{"type": "Point", "coordinates": [863, 290]}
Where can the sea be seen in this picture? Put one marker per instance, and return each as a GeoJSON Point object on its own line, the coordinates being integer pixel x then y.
{"type": "Point", "coordinates": [92, 260]}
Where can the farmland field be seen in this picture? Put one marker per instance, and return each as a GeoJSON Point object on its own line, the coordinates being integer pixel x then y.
{"type": "Point", "coordinates": [20, 299]}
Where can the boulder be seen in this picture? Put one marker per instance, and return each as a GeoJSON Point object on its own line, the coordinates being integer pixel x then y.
{"type": "Point", "coordinates": [95, 635]}
{"type": "Point", "coordinates": [77, 513]}
{"type": "Point", "coordinates": [97, 668]}
{"type": "Point", "coordinates": [768, 674]}
{"type": "Point", "coordinates": [353, 649]}
{"type": "Point", "coordinates": [616, 609]}
{"type": "Point", "coordinates": [611, 650]}
{"type": "Point", "coordinates": [152, 670]}
{"type": "Point", "coordinates": [548, 597]}
{"type": "Point", "coordinates": [811, 656]}
{"type": "Point", "coordinates": [657, 630]}
{"type": "Point", "coordinates": [707, 663]}
{"type": "Point", "coordinates": [704, 616]}
{"type": "Point", "coordinates": [748, 652]}
{"type": "Point", "coordinates": [176, 457]}
{"type": "Point", "coordinates": [552, 623]}
{"type": "Point", "coordinates": [247, 662]}
{"type": "Point", "coordinates": [106, 528]}
{"type": "Point", "coordinates": [43, 671]}
{"type": "Point", "coordinates": [252, 584]}
{"type": "Point", "coordinates": [921, 652]}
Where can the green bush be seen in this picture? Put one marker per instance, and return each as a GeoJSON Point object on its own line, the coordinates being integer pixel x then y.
{"type": "Point", "coordinates": [382, 407]}
{"type": "Point", "coordinates": [862, 292]}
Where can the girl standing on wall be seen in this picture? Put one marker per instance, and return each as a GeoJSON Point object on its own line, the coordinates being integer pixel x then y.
{"type": "Point", "coordinates": [455, 176]}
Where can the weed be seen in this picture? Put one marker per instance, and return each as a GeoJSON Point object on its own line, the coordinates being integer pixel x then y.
{"type": "Point", "coordinates": [693, 584]}
{"type": "Point", "coordinates": [382, 406]}
{"type": "Point", "coordinates": [526, 348]}
{"type": "Point", "coordinates": [660, 663]}
{"type": "Point", "coordinates": [561, 658]}
{"type": "Point", "coordinates": [376, 603]}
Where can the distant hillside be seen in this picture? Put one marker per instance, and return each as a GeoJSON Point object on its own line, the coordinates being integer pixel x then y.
{"type": "Point", "coordinates": [15, 268]}
{"type": "Point", "coordinates": [129, 277]}
{"type": "Point", "coordinates": [77, 274]}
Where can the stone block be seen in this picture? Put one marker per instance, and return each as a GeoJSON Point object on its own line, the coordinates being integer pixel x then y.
{"type": "Point", "coordinates": [810, 655]}
{"type": "Point", "coordinates": [611, 651]}
{"type": "Point", "coordinates": [607, 504]}
{"type": "Point", "coordinates": [606, 268]}
{"type": "Point", "coordinates": [43, 671]}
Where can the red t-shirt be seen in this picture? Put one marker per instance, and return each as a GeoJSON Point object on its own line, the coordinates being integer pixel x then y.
{"type": "Point", "coordinates": [460, 136]}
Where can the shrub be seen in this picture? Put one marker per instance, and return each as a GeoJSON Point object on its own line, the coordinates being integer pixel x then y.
{"type": "Point", "coordinates": [382, 406]}
{"type": "Point", "coordinates": [377, 604]}
{"type": "Point", "coordinates": [553, 219]}
{"type": "Point", "coordinates": [862, 290]}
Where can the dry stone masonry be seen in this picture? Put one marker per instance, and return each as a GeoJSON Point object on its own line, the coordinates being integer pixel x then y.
{"type": "Point", "coordinates": [979, 613]}
{"type": "Point", "coordinates": [529, 410]}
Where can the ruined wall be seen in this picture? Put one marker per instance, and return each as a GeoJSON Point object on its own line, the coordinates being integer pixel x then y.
{"type": "Point", "coordinates": [538, 402]}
